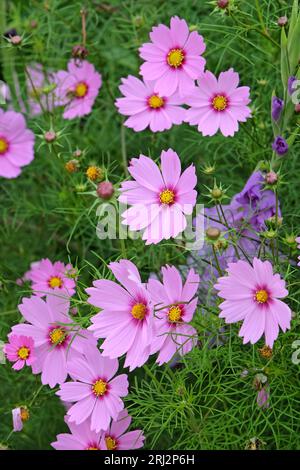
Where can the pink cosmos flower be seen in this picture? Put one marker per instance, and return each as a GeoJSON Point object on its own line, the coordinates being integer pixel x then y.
{"type": "Point", "coordinates": [173, 58]}
{"type": "Point", "coordinates": [20, 350]}
{"type": "Point", "coordinates": [16, 144]}
{"type": "Point", "coordinates": [126, 319]}
{"type": "Point", "coordinates": [115, 438]}
{"type": "Point", "coordinates": [174, 308]}
{"type": "Point", "coordinates": [147, 107]}
{"type": "Point", "coordinates": [81, 437]}
{"type": "Point", "coordinates": [263, 397]}
{"type": "Point", "coordinates": [251, 294]}
{"type": "Point", "coordinates": [40, 86]}
{"type": "Point", "coordinates": [19, 416]}
{"type": "Point", "coordinates": [49, 278]}
{"type": "Point", "coordinates": [95, 393]}
{"type": "Point", "coordinates": [77, 88]}
{"type": "Point", "coordinates": [56, 338]}
{"type": "Point", "coordinates": [160, 199]}
{"type": "Point", "coordinates": [218, 104]}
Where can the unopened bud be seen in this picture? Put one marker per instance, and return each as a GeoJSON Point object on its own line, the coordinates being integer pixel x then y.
{"type": "Point", "coordinates": [77, 153]}
{"type": "Point", "coordinates": [213, 233]}
{"type": "Point", "coordinates": [16, 40]}
{"type": "Point", "coordinates": [282, 21]}
{"type": "Point", "coordinates": [50, 136]}
{"type": "Point", "coordinates": [222, 4]}
{"type": "Point", "coordinates": [105, 190]}
{"type": "Point", "coordinates": [297, 108]}
{"type": "Point", "coordinates": [216, 193]}
{"type": "Point", "coordinates": [271, 177]}
{"type": "Point", "coordinates": [79, 52]}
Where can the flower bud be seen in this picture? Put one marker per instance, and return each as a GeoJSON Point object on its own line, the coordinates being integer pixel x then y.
{"type": "Point", "coordinates": [282, 21]}
{"type": "Point", "coordinates": [271, 177]}
{"type": "Point", "coordinates": [79, 52]}
{"type": "Point", "coordinates": [50, 136]}
{"type": "Point", "coordinates": [105, 190]}
{"type": "Point", "coordinates": [297, 108]}
{"type": "Point", "coordinates": [213, 233]}
{"type": "Point", "coordinates": [77, 153]}
{"type": "Point", "coordinates": [15, 40]}
{"type": "Point", "coordinates": [222, 4]}
{"type": "Point", "coordinates": [71, 166]}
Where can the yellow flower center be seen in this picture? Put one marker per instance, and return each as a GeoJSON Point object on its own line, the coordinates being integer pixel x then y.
{"type": "Point", "coordinates": [93, 173]}
{"type": "Point", "coordinates": [54, 282]}
{"type": "Point", "coordinates": [57, 336]}
{"type": "Point", "coordinates": [3, 145]}
{"type": "Point", "coordinates": [81, 90]}
{"type": "Point", "coordinates": [175, 57]}
{"type": "Point", "coordinates": [167, 196]}
{"type": "Point", "coordinates": [93, 448]}
{"type": "Point", "coordinates": [261, 296]}
{"type": "Point", "coordinates": [139, 311]}
{"type": "Point", "coordinates": [24, 413]}
{"type": "Point", "coordinates": [174, 313]}
{"type": "Point", "coordinates": [220, 103]}
{"type": "Point", "coordinates": [99, 388]}
{"type": "Point", "coordinates": [155, 101]}
{"type": "Point", "coordinates": [23, 352]}
{"type": "Point", "coordinates": [111, 443]}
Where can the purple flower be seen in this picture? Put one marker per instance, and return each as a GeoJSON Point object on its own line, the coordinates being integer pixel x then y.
{"type": "Point", "coordinates": [263, 397]}
{"type": "Point", "coordinates": [290, 84]}
{"type": "Point", "coordinates": [277, 107]}
{"type": "Point", "coordinates": [280, 145]}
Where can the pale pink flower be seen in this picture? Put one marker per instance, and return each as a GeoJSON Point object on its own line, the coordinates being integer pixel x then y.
{"type": "Point", "coordinates": [116, 437]}
{"type": "Point", "coordinates": [56, 338]}
{"type": "Point", "coordinates": [94, 391]}
{"type": "Point", "coordinates": [263, 397]}
{"type": "Point", "coordinates": [19, 416]}
{"type": "Point", "coordinates": [20, 350]}
{"type": "Point", "coordinates": [160, 198]}
{"type": "Point", "coordinates": [16, 144]}
{"type": "Point", "coordinates": [218, 104]}
{"type": "Point", "coordinates": [77, 88]}
{"type": "Point", "coordinates": [40, 89]}
{"type": "Point", "coordinates": [251, 294]}
{"type": "Point", "coordinates": [147, 107]}
{"type": "Point", "coordinates": [80, 438]}
{"type": "Point", "coordinates": [51, 278]}
{"type": "Point", "coordinates": [173, 58]}
{"type": "Point", "coordinates": [175, 305]}
{"type": "Point", "coordinates": [126, 319]}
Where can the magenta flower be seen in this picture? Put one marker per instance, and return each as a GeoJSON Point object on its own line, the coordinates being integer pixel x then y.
{"type": "Point", "coordinates": [19, 416]}
{"type": "Point", "coordinates": [251, 294]}
{"type": "Point", "coordinates": [173, 58]}
{"type": "Point", "coordinates": [298, 246]}
{"type": "Point", "coordinates": [147, 107]}
{"type": "Point", "coordinates": [81, 438]}
{"type": "Point", "coordinates": [16, 144]}
{"type": "Point", "coordinates": [20, 350]}
{"type": "Point", "coordinates": [160, 199]}
{"type": "Point", "coordinates": [126, 319]}
{"type": "Point", "coordinates": [40, 87]}
{"type": "Point", "coordinates": [115, 438]}
{"type": "Point", "coordinates": [95, 393]}
{"type": "Point", "coordinates": [49, 278]}
{"type": "Point", "coordinates": [218, 104]}
{"type": "Point", "coordinates": [174, 309]}
{"type": "Point", "coordinates": [77, 88]}
{"type": "Point", "coordinates": [56, 339]}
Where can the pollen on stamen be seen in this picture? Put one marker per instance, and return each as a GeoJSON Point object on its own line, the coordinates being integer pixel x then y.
{"type": "Point", "coordinates": [139, 311]}
{"type": "Point", "coordinates": [261, 296]}
{"type": "Point", "coordinates": [175, 313]}
{"type": "Point", "coordinates": [23, 353]}
{"type": "Point", "coordinates": [3, 145]}
{"type": "Point", "coordinates": [220, 103]}
{"type": "Point", "coordinates": [54, 282]}
{"type": "Point", "coordinates": [57, 336]}
{"type": "Point", "coordinates": [99, 388]}
{"type": "Point", "coordinates": [81, 90]}
{"type": "Point", "coordinates": [175, 58]}
{"type": "Point", "coordinates": [167, 196]}
{"type": "Point", "coordinates": [156, 102]}
{"type": "Point", "coordinates": [111, 443]}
